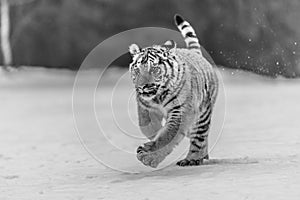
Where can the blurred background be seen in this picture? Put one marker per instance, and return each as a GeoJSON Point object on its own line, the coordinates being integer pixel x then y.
{"type": "Point", "coordinates": [258, 36]}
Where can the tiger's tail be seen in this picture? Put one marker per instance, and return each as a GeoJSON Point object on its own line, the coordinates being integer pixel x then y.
{"type": "Point", "coordinates": [188, 33]}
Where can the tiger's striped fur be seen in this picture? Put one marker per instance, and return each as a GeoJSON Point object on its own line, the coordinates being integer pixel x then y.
{"type": "Point", "coordinates": [180, 86]}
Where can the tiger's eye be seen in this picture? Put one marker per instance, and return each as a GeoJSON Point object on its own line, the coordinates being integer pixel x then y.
{"type": "Point", "coordinates": [156, 71]}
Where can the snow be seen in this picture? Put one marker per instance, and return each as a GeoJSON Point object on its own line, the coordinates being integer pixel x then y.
{"type": "Point", "coordinates": [41, 157]}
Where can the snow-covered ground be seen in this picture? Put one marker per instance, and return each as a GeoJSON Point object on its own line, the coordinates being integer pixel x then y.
{"type": "Point", "coordinates": [41, 157]}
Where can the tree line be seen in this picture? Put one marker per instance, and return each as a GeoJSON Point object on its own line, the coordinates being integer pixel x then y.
{"type": "Point", "coordinates": [259, 36]}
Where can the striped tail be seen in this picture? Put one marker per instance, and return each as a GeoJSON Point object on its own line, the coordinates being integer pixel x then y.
{"type": "Point", "coordinates": [188, 33]}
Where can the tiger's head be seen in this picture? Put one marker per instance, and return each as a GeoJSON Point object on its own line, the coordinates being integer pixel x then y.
{"type": "Point", "coordinates": [151, 68]}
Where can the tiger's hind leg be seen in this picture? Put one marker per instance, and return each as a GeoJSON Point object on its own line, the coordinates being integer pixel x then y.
{"type": "Point", "coordinates": [198, 141]}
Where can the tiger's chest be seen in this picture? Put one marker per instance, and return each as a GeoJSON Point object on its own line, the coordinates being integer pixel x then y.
{"type": "Point", "coordinates": [153, 105]}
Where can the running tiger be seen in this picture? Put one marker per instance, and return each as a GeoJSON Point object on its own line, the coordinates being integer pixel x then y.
{"type": "Point", "coordinates": [180, 86]}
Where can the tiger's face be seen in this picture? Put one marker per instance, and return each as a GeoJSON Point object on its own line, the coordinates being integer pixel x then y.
{"type": "Point", "coordinates": [151, 68]}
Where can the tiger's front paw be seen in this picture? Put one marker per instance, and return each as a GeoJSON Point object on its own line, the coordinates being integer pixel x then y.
{"type": "Point", "coordinates": [149, 155]}
{"type": "Point", "coordinates": [191, 162]}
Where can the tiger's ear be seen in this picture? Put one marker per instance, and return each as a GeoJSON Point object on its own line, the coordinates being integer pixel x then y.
{"type": "Point", "coordinates": [170, 44]}
{"type": "Point", "coordinates": [134, 49]}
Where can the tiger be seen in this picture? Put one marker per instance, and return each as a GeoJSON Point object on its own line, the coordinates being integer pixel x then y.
{"type": "Point", "coordinates": [176, 90]}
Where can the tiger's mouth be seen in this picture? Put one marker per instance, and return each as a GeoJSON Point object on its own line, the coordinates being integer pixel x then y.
{"type": "Point", "coordinates": [148, 90]}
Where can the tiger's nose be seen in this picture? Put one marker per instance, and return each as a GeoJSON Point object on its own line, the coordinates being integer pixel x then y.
{"type": "Point", "coordinates": [144, 79]}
